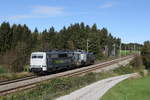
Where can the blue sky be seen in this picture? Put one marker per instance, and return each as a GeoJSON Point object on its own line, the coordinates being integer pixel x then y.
{"type": "Point", "coordinates": [127, 19]}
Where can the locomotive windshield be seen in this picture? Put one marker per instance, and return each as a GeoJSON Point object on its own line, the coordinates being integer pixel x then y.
{"type": "Point", "coordinates": [37, 56]}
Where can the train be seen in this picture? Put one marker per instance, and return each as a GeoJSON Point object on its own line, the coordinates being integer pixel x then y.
{"type": "Point", "coordinates": [56, 60]}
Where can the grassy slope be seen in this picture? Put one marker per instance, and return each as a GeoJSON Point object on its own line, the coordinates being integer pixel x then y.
{"type": "Point", "coordinates": [55, 87]}
{"type": "Point", "coordinates": [60, 86]}
{"type": "Point", "coordinates": [135, 89]}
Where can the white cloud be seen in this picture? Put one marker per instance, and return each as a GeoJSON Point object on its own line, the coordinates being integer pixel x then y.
{"type": "Point", "coordinates": [47, 10]}
{"type": "Point", "coordinates": [108, 5]}
{"type": "Point", "coordinates": [39, 12]}
{"type": "Point", "coordinates": [20, 17]}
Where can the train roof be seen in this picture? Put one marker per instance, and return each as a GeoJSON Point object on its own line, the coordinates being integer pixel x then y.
{"type": "Point", "coordinates": [58, 51]}
{"type": "Point", "coordinates": [62, 51]}
{"type": "Point", "coordinates": [38, 52]}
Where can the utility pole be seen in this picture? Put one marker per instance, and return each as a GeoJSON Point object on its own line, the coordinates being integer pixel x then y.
{"type": "Point", "coordinates": [106, 50]}
{"type": "Point", "coordinates": [125, 50]}
{"type": "Point", "coordinates": [139, 50]}
{"type": "Point", "coordinates": [120, 47]}
{"type": "Point", "coordinates": [114, 49]}
{"type": "Point", "coordinates": [120, 50]}
{"type": "Point", "coordinates": [87, 45]}
{"type": "Point", "coordinates": [134, 48]}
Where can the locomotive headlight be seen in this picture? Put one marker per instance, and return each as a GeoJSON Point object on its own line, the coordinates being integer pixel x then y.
{"type": "Point", "coordinates": [44, 68]}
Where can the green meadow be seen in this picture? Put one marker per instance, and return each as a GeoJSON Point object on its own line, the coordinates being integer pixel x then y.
{"type": "Point", "coordinates": [131, 89]}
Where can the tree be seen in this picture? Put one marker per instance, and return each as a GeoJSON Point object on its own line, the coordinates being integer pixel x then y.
{"type": "Point", "coordinates": [87, 28]}
{"type": "Point", "coordinates": [15, 35]}
{"type": "Point", "coordinates": [35, 39]}
{"type": "Point", "coordinates": [5, 37]}
{"type": "Point", "coordinates": [146, 54]}
{"type": "Point", "coordinates": [44, 40]}
{"type": "Point", "coordinates": [94, 28]}
{"type": "Point", "coordinates": [70, 45]}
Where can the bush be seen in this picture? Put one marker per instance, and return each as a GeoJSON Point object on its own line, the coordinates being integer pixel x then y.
{"type": "Point", "coordinates": [14, 60]}
{"type": "Point", "coordinates": [2, 70]}
{"type": "Point", "coordinates": [124, 70]}
{"type": "Point", "coordinates": [137, 62]}
{"type": "Point", "coordinates": [18, 64]}
{"type": "Point", "coordinates": [146, 54]}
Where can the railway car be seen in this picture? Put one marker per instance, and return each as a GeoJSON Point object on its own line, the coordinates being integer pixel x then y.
{"type": "Point", "coordinates": [79, 58]}
{"type": "Point", "coordinates": [57, 60]}
{"type": "Point", "coordinates": [50, 61]}
{"type": "Point", "coordinates": [90, 58]}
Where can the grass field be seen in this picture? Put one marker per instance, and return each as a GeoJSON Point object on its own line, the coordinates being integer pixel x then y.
{"type": "Point", "coordinates": [135, 89]}
{"type": "Point", "coordinates": [128, 52]}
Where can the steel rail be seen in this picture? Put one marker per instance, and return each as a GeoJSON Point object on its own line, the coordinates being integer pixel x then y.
{"type": "Point", "coordinates": [17, 80]}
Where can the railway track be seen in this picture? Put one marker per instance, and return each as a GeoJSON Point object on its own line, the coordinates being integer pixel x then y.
{"type": "Point", "coordinates": [4, 82]}
{"type": "Point", "coordinates": [30, 82]}
{"type": "Point", "coordinates": [95, 67]}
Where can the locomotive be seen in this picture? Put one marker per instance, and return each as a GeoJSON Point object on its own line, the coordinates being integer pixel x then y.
{"type": "Point", "coordinates": [51, 61]}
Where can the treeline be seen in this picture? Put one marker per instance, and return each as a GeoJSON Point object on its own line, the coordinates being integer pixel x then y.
{"type": "Point", "coordinates": [18, 41]}
{"type": "Point", "coordinates": [132, 46]}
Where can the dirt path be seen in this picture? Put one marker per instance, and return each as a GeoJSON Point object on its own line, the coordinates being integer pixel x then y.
{"type": "Point", "coordinates": [96, 90]}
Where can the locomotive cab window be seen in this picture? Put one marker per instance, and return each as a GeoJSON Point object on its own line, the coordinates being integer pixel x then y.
{"type": "Point", "coordinates": [37, 56]}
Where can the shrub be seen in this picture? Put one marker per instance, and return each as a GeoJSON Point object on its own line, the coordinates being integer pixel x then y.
{"type": "Point", "coordinates": [2, 70]}
{"type": "Point", "coordinates": [146, 54]}
{"type": "Point", "coordinates": [124, 70]}
{"type": "Point", "coordinates": [137, 62]}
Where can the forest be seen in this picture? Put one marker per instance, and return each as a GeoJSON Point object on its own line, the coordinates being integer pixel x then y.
{"type": "Point", "coordinates": [18, 41]}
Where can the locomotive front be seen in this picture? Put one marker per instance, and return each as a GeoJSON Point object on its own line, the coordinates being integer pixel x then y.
{"type": "Point", "coordinates": [38, 62]}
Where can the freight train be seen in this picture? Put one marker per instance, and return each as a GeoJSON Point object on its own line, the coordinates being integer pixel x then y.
{"type": "Point", "coordinates": [56, 60]}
